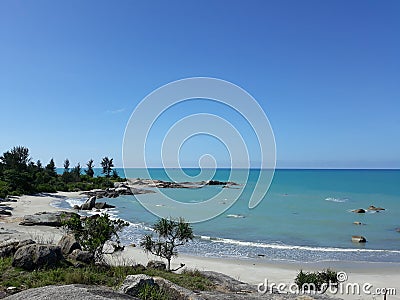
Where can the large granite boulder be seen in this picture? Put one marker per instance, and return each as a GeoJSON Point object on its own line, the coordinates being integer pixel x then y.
{"type": "Point", "coordinates": [175, 291]}
{"type": "Point", "coordinates": [36, 256]}
{"type": "Point", "coordinates": [82, 256]}
{"type": "Point", "coordinates": [68, 243]}
{"type": "Point", "coordinates": [53, 219]}
{"type": "Point", "coordinates": [157, 265]}
{"type": "Point", "coordinates": [69, 292]}
{"type": "Point", "coordinates": [103, 205]}
{"type": "Point", "coordinates": [89, 203]}
{"type": "Point", "coordinates": [133, 283]}
{"type": "Point", "coordinates": [8, 248]}
{"type": "Point", "coordinates": [5, 212]}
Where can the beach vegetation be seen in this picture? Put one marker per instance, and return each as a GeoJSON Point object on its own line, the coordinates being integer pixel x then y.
{"type": "Point", "coordinates": [20, 175]}
{"type": "Point", "coordinates": [93, 232]}
{"type": "Point", "coordinates": [316, 281]}
{"type": "Point", "coordinates": [170, 234]}
{"type": "Point", "coordinates": [89, 170]}
{"type": "Point", "coordinates": [107, 165]}
{"type": "Point", "coordinates": [105, 275]}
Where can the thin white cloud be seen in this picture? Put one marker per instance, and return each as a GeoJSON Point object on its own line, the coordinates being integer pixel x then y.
{"type": "Point", "coordinates": [116, 111]}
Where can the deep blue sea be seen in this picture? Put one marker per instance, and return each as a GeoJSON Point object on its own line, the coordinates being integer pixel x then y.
{"type": "Point", "coordinates": [305, 216]}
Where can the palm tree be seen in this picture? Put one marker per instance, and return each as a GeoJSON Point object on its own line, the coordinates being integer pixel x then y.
{"type": "Point", "coordinates": [66, 166]}
{"type": "Point", "coordinates": [170, 235]}
{"type": "Point", "coordinates": [107, 165]}
{"type": "Point", "coordinates": [90, 172]}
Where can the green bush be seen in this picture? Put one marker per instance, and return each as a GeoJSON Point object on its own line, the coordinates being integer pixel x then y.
{"type": "Point", "coordinates": [93, 232]}
{"type": "Point", "coordinates": [153, 292]}
{"type": "Point", "coordinates": [315, 281]}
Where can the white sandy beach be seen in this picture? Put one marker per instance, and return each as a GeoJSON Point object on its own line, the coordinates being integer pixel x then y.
{"type": "Point", "coordinates": [251, 271]}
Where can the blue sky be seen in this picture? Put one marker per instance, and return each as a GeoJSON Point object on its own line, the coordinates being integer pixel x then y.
{"type": "Point", "coordinates": [326, 73]}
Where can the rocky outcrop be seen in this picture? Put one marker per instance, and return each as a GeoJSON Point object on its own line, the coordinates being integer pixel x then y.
{"type": "Point", "coordinates": [157, 265]}
{"type": "Point", "coordinates": [89, 204]}
{"type": "Point", "coordinates": [81, 256]}
{"type": "Point", "coordinates": [103, 205]}
{"type": "Point", "coordinates": [69, 292]}
{"type": "Point", "coordinates": [46, 218]}
{"type": "Point", "coordinates": [37, 256]}
{"type": "Point", "coordinates": [5, 212]}
{"type": "Point", "coordinates": [228, 284]}
{"type": "Point", "coordinates": [175, 291]}
{"type": "Point", "coordinates": [133, 283]}
{"type": "Point", "coordinates": [371, 207]}
{"type": "Point", "coordinates": [68, 243]}
{"type": "Point", "coordinates": [116, 192]}
{"type": "Point", "coordinates": [8, 248]}
{"type": "Point", "coordinates": [359, 211]}
{"type": "Point", "coordinates": [358, 239]}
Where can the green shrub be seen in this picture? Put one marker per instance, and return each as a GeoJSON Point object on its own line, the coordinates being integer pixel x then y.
{"type": "Point", "coordinates": [315, 281]}
{"type": "Point", "coordinates": [93, 232]}
{"type": "Point", "coordinates": [153, 292]}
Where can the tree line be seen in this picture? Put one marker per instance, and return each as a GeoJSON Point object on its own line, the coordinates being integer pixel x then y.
{"type": "Point", "coordinates": [20, 175]}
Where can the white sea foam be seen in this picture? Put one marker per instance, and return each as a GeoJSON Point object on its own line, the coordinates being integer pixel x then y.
{"type": "Point", "coordinates": [339, 200]}
{"type": "Point", "coordinates": [75, 201]}
{"type": "Point", "coordinates": [235, 216]}
{"type": "Point", "coordinates": [290, 247]}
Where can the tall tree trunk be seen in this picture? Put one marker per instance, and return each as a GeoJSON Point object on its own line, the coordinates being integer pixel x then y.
{"type": "Point", "coordinates": [169, 265]}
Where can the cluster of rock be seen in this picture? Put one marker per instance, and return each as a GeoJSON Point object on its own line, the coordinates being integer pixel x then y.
{"type": "Point", "coordinates": [9, 199]}
{"type": "Point", "coordinates": [29, 255]}
{"type": "Point", "coordinates": [360, 238]}
{"type": "Point", "coordinates": [53, 219]}
{"type": "Point", "coordinates": [91, 203]}
{"type": "Point", "coordinates": [5, 210]}
{"type": "Point", "coordinates": [119, 189]}
{"type": "Point", "coordinates": [138, 186]}
{"type": "Point", "coordinates": [371, 208]}
{"type": "Point", "coordinates": [154, 183]}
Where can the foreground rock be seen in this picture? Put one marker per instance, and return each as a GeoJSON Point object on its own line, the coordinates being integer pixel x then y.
{"type": "Point", "coordinates": [8, 248]}
{"type": "Point", "coordinates": [134, 283]}
{"type": "Point", "coordinates": [5, 212]}
{"type": "Point", "coordinates": [157, 265]}
{"type": "Point", "coordinates": [68, 243]}
{"type": "Point", "coordinates": [175, 291]}
{"type": "Point", "coordinates": [46, 218]}
{"type": "Point", "coordinates": [36, 256]}
{"type": "Point", "coordinates": [69, 292]}
{"type": "Point", "coordinates": [81, 256]}
{"type": "Point", "coordinates": [228, 288]}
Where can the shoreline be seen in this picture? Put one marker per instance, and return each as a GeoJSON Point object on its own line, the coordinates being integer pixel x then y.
{"type": "Point", "coordinates": [253, 271]}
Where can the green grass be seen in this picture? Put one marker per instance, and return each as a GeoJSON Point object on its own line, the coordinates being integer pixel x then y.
{"type": "Point", "coordinates": [111, 276]}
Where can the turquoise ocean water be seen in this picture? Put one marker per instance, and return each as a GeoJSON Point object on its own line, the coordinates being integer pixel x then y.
{"type": "Point", "coordinates": [305, 216]}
